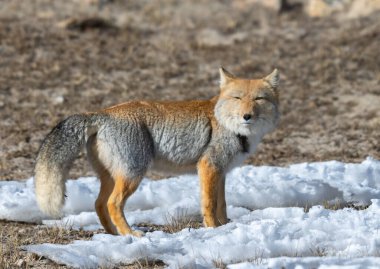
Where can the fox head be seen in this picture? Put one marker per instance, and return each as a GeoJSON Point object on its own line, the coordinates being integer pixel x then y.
{"type": "Point", "coordinates": [248, 106]}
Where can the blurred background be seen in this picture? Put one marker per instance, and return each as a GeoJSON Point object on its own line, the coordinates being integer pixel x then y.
{"type": "Point", "coordinates": [58, 58]}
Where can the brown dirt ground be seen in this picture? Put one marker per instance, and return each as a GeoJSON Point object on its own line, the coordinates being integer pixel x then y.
{"type": "Point", "coordinates": [58, 58]}
{"type": "Point", "coordinates": [54, 65]}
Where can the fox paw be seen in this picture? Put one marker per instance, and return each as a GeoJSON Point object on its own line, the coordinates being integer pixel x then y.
{"type": "Point", "coordinates": [137, 233]}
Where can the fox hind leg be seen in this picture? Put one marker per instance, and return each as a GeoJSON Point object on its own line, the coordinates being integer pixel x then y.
{"type": "Point", "coordinates": [106, 186]}
{"type": "Point", "coordinates": [123, 188]}
{"type": "Point", "coordinates": [126, 150]}
{"type": "Point", "coordinates": [114, 191]}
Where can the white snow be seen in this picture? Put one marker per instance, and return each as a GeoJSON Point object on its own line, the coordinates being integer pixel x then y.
{"type": "Point", "coordinates": [268, 227]}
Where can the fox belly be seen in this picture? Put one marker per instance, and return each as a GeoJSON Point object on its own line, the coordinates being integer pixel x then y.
{"type": "Point", "coordinates": [161, 165]}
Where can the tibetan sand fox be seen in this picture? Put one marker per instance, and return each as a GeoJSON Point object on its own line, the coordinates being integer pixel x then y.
{"type": "Point", "coordinates": [126, 140]}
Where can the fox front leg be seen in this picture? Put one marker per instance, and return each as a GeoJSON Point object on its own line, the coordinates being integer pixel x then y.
{"type": "Point", "coordinates": [210, 180]}
{"type": "Point", "coordinates": [221, 211]}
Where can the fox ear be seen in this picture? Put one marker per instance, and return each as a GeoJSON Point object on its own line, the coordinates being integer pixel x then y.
{"type": "Point", "coordinates": [273, 78]}
{"type": "Point", "coordinates": [225, 76]}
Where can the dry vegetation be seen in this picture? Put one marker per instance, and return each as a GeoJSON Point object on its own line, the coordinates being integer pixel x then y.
{"type": "Point", "coordinates": [14, 235]}
{"type": "Point", "coordinates": [63, 57]}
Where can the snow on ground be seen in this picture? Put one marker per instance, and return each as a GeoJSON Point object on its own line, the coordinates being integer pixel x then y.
{"type": "Point", "coordinates": [276, 233]}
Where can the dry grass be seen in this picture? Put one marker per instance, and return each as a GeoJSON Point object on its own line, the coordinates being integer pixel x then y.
{"type": "Point", "coordinates": [318, 251]}
{"type": "Point", "coordinates": [218, 263]}
{"type": "Point", "coordinates": [181, 220]}
{"type": "Point", "coordinates": [256, 259]}
{"type": "Point", "coordinates": [336, 205]}
{"type": "Point", "coordinates": [175, 223]}
{"type": "Point", "coordinates": [13, 235]}
{"type": "Point", "coordinates": [146, 263]}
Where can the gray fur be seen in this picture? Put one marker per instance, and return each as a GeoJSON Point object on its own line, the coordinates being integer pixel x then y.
{"type": "Point", "coordinates": [131, 146]}
{"type": "Point", "coordinates": [125, 147]}
{"type": "Point", "coordinates": [181, 140]}
{"type": "Point", "coordinates": [56, 155]}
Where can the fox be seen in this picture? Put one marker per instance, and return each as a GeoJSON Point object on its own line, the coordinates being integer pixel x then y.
{"type": "Point", "coordinates": [125, 141]}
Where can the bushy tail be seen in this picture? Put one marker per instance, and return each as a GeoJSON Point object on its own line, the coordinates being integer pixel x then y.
{"type": "Point", "coordinates": [56, 155]}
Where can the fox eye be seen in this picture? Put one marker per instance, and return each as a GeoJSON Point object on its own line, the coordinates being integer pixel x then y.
{"type": "Point", "coordinates": [237, 97]}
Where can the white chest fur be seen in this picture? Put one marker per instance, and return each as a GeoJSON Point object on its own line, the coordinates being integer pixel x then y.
{"type": "Point", "coordinates": [239, 159]}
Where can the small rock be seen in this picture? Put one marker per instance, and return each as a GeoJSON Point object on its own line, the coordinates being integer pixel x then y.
{"type": "Point", "coordinates": [58, 99]}
{"type": "Point", "coordinates": [85, 24]}
{"type": "Point", "coordinates": [20, 263]}
{"type": "Point", "coordinates": [322, 8]}
{"type": "Point", "coordinates": [275, 5]}
{"type": "Point", "coordinates": [345, 8]}
{"type": "Point", "coordinates": [212, 38]}
{"type": "Point", "coordinates": [45, 14]}
{"type": "Point", "coordinates": [361, 8]}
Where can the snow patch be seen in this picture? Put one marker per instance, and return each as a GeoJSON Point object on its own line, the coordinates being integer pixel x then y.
{"type": "Point", "coordinates": [265, 205]}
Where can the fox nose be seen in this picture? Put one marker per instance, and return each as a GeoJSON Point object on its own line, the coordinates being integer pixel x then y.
{"type": "Point", "coordinates": [247, 117]}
